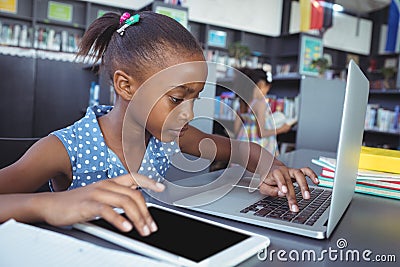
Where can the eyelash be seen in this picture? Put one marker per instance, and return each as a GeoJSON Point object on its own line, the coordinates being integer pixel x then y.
{"type": "Point", "coordinates": [177, 101]}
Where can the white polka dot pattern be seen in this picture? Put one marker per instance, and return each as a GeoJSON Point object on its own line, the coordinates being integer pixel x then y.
{"type": "Point", "coordinates": [93, 161]}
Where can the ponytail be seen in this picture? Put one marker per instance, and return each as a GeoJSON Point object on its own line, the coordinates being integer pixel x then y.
{"type": "Point", "coordinates": [97, 37]}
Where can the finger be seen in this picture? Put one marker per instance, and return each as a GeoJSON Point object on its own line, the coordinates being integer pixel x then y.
{"type": "Point", "coordinates": [145, 182]}
{"type": "Point", "coordinates": [275, 179]}
{"type": "Point", "coordinates": [299, 177]}
{"type": "Point", "coordinates": [291, 194]}
{"type": "Point", "coordinates": [127, 199]}
{"type": "Point", "coordinates": [111, 216]}
{"type": "Point", "coordinates": [282, 178]}
{"type": "Point", "coordinates": [310, 173]}
{"type": "Point", "coordinates": [135, 179]}
{"type": "Point", "coordinates": [142, 207]}
{"type": "Point", "coordinates": [269, 190]}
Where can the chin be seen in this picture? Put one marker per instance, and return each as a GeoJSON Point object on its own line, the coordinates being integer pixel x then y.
{"type": "Point", "coordinates": [166, 138]}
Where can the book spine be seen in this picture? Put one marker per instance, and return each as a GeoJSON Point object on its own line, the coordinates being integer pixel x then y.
{"type": "Point", "coordinates": [364, 189]}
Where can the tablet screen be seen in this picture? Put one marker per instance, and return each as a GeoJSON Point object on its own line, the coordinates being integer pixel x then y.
{"type": "Point", "coordinates": [183, 236]}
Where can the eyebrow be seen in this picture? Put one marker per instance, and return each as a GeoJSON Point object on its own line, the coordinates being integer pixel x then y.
{"type": "Point", "coordinates": [183, 87]}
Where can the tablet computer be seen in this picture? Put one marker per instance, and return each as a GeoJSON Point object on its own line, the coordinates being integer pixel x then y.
{"type": "Point", "coordinates": [183, 239]}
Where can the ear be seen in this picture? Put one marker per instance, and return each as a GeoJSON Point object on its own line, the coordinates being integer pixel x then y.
{"type": "Point", "coordinates": [261, 83]}
{"type": "Point", "coordinates": [124, 85]}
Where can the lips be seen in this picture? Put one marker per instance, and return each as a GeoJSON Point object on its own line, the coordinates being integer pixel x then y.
{"type": "Point", "coordinates": [179, 132]}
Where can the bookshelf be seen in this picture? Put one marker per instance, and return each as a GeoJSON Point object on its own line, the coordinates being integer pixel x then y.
{"type": "Point", "coordinates": [382, 122]}
{"type": "Point", "coordinates": [279, 55]}
{"type": "Point", "coordinates": [38, 43]}
{"type": "Point", "coordinates": [285, 63]}
{"type": "Point", "coordinates": [29, 52]}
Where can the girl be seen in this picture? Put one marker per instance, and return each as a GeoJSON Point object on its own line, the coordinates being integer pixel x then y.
{"type": "Point", "coordinates": [253, 123]}
{"type": "Point", "coordinates": [133, 139]}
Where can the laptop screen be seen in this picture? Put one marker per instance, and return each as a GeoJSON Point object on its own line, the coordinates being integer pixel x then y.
{"type": "Point", "coordinates": [349, 146]}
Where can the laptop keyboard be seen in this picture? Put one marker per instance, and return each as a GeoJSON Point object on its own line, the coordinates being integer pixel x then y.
{"type": "Point", "coordinates": [309, 209]}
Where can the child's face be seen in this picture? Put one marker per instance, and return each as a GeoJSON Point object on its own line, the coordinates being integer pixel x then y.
{"type": "Point", "coordinates": [169, 118]}
{"type": "Point", "coordinates": [167, 99]}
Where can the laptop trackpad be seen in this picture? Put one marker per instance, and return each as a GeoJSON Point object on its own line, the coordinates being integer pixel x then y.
{"type": "Point", "coordinates": [204, 197]}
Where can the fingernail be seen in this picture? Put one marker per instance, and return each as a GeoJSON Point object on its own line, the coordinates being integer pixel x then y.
{"type": "Point", "coordinates": [281, 194]}
{"type": "Point", "coordinates": [284, 189]}
{"type": "Point", "coordinates": [153, 227]}
{"type": "Point", "coordinates": [294, 208]}
{"type": "Point", "coordinates": [306, 195]}
{"type": "Point", "coordinates": [127, 226]}
{"type": "Point", "coordinates": [146, 230]}
{"type": "Point", "coordinates": [316, 180]}
{"type": "Point", "coordinates": [160, 186]}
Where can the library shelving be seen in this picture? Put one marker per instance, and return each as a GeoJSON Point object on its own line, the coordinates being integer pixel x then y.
{"type": "Point", "coordinates": [41, 45]}
{"type": "Point", "coordinates": [285, 65]}
{"type": "Point", "coordinates": [38, 41]}
{"type": "Point", "coordinates": [382, 123]}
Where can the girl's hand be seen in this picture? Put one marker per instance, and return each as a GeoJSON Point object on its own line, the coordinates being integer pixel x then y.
{"type": "Point", "coordinates": [279, 182]}
{"type": "Point", "coordinates": [99, 199]}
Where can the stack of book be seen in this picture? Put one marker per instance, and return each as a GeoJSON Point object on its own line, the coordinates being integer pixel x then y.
{"type": "Point", "coordinates": [378, 173]}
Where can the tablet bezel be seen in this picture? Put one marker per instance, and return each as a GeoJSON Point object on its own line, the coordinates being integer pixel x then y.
{"type": "Point", "coordinates": [230, 256]}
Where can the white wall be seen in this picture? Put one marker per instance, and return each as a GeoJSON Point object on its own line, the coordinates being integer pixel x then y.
{"type": "Point", "coordinates": [256, 16]}
{"type": "Point", "coordinates": [264, 17]}
{"type": "Point", "coordinates": [129, 4]}
{"type": "Point", "coordinates": [343, 35]}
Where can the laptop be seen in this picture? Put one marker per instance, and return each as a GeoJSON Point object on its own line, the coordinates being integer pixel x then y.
{"type": "Point", "coordinates": [318, 217]}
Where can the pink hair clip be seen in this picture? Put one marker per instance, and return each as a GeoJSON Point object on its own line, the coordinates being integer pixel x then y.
{"type": "Point", "coordinates": [127, 22]}
{"type": "Point", "coordinates": [124, 17]}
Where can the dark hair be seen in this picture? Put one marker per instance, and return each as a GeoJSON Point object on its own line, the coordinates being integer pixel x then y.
{"type": "Point", "coordinates": [144, 45]}
{"type": "Point", "coordinates": [257, 75]}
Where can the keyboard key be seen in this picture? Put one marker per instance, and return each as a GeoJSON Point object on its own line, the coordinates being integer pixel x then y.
{"type": "Point", "coordinates": [277, 208]}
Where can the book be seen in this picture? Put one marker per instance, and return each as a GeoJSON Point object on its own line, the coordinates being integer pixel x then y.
{"type": "Point", "coordinates": [330, 164]}
{"type": "Point", "coordinates": [280, 119]}
{"type": "Point", "coordinates": [391, 184]}
{"type": "Point", "coordinates": [365, 175]}
{"type": "Point", "coordinates": [380, 159]}
{"type": "Point", "coordinates": [381, 190]}
{"type": "Point", "coordinates": [376, 183]}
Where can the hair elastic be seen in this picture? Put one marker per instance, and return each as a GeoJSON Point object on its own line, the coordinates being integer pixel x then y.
{"type": "Point", "coordinates": [128, 20]}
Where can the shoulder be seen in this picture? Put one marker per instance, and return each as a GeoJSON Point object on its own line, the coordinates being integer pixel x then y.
{"type": "Point", "coordinates": [84, 128]}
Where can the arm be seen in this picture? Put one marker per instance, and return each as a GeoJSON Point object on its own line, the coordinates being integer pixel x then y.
{"type": "Point", "coordinates": [260, 110]}
{"type": "Point", "coordinates": [44, 160]}
{"type": "Point", "coordinates": [276, 178]}
{"type": "Point", "coordinates": [86, 203]}
{"type": "Point", "coordinates": [48, 158]}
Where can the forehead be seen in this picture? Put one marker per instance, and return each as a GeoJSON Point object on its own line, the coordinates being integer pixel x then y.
{"type": "Point", "coordinates": [188, 89]}
{"type": "Point", "coordinates": [191, 74]}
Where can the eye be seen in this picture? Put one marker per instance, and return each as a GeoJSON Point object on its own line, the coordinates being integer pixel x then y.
{"type": "Point", "coordinates": [176, 100]}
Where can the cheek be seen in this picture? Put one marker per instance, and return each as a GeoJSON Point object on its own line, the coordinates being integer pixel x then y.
{"type": "Point", "coordinates": [161, 115]}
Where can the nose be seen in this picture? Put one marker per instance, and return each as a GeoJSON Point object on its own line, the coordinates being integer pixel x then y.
{"type": "Point", "coordinates": [186, 111]}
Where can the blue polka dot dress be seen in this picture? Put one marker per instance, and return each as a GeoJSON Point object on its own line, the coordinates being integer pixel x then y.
{"type": "Point", "coordinates": [92, 160]}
